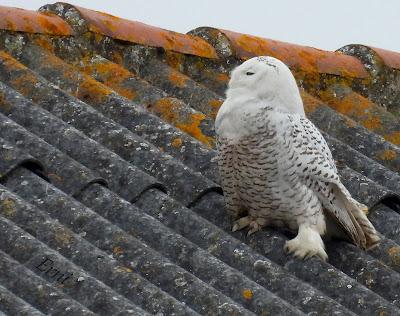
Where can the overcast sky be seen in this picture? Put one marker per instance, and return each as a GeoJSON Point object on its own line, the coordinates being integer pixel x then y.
{"type": "Point", "coordinates": [323, 24]}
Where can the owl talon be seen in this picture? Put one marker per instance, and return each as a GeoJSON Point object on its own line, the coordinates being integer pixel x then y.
{"type": "Point", "coordinates": [254, 227]}
{"type": "Point", "coordinates": [241, 223]}
{"type": "Point", "coordinates": [306, 244]}
{"type": "Point", "coordinates": [252, 231]}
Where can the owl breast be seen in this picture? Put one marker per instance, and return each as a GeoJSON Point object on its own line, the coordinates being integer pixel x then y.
{"type": "Point", "coordinates": [258, 177]}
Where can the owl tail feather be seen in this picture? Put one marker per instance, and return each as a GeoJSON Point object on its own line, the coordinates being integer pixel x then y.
{"type": "Point", "coordinates": [366, 236]}
{"type": "Point", "coordinates": [359, 212]}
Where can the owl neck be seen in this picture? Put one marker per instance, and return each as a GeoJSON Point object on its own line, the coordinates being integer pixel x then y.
{"type": "Point", "coordinates": [292, 104]}
{"type": "Point", "coordinates": [288, 101]}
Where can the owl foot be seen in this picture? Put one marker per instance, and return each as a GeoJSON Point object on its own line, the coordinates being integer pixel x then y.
{"type": "Point", "coordinates": [255, 224]}
{"type": "Point", "coordinates": [241, 223]}
{"type": "Point", "coordinates": [306, 244]}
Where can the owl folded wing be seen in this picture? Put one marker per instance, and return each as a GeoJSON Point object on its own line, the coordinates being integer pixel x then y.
{"type": "Point", "coordinates": [315, 165]}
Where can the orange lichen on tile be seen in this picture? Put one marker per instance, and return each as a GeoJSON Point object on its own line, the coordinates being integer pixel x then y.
{"type": "Point", "coordinates": [372, 123]}
{"type": "Point", "coordinates": [54, 177]}
{"type": "Point", "coordinates": [177, 79]}
{"type": "Point", "coordinates": [44, 42]}
{"type": "Point", "coordinates": [140, 33]}
{"type": "Point", "coordinates": [84, 87]}
{"type": "Point", "coordinates": [25, 82]}
{"type": "Point", "coordinates": [388, 154]}
{"type": "Point", "coordinates": [97, 37]}
{"type": "Point", "coordinates": [63, 237]}
{"type": "Point", "coordinates": [215, 105]}
{"type": "Point", "coordinates": [390, 58]}
{"type": "Point", "coordinates": [310, 103]}
{"type": "Point", "coordinates": [356, 107]}
{"type": "Point", "coordinates": [1, 97]}
{"type": "Point", "coordinates": [349, 122]}
{"type": "Point", "coordinates": [117, 57]}
{"type": "Point", "coordinates": [177, 142]}
{"type": "Point", "coordinates": [124, 269]}
{"type": "Point", "coordinates": [394, 253]}
{"type": "Point", "coordinates": [91, 91]}
{"type": "Point", "coordinates": [299, 57]}
{"type": "Point", "coordinates": [8, 207]}
{"type": "Point", "coordinates": [110, 74]}
{"type": "Point", "coordinates": [221, 77]}
{"type": "Point", "coordinates": [247, 294]}
{"type": "Point", "coordinates": [19, 20]}
{"type": "Point", "coordinates": [118, 250]}
{"type": "Point", "coordinates": [394, 138]}
{"type": "Point", "coordinates": [347, 104]}
{"type": "Point", "coordinates": [9, 62]}
{"type": "Point", "coordinates": [76, 83]}
{"type": "Point", "coordinates": [174, 60]}
{"type": "Point", "coordinates": [169, 110]}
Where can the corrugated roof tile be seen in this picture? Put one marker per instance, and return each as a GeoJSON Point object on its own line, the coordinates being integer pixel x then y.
{"type": "Point", "coordinates": [11, 157]}
{"type": "Point", "coordinates": [35, 251]}
{"type": "Point", "coordinates": [384, 66]}
{"type": "Point", "coordinates": [362, 110]}
{"type": "Point", "coordinates": [95, 177]}
{"type": "Point", "coordinates": [236, 254]}
{"type": "Point", "coordinates": [357, 136]}
{"type": "Point", "coordinates": [320, 275]}
{"type": "Point", "coordinates": [119, 174]}
{"type": "Point", "coordinates": [131, 115]}
{"type": "Point", "coordinates": [13, 305]}
{"type": "Point", "coordinates": [124, 279]}
{"type": "Point", "coordinates": [64, 172]}
{"type": "Point", "coordinates": [182, 183]}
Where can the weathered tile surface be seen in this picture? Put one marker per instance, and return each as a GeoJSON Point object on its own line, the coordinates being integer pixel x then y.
{"type": "Point", "coordinates": [109, 192]}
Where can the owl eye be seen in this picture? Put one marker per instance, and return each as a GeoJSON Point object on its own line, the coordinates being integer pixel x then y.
{"type": "Point", "coordinates": [249, 73]}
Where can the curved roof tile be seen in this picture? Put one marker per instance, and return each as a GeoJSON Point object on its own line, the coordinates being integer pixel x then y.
{"type": "Point", "coordinates": [299, 57]}
{"type": "Point", "coordinates": [132, 31]}
{"type": "Point", "coordinates": [20, 20]}
{"type": "Point", "coordinates": [389, 58]}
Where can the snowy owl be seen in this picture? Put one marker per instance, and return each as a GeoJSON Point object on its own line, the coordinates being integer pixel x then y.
{"type": "Point", "coordinates": [276, 168]}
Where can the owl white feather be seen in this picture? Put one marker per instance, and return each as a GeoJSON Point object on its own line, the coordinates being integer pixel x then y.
{"type": "Point", "coordinates": [276, 168]}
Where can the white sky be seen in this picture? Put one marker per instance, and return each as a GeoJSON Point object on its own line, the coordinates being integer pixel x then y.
{"type": "Point", "coordinates": [323, 24]}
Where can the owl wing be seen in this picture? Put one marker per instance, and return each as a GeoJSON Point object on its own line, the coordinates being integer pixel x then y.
{"type": "Point", "coordinates": [227, 165]}
{"type": "Point", "coordinates": [315, 165]}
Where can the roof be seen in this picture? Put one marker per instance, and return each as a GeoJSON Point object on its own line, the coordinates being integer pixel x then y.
{"type": "Point", "coordinates": [109, 192]}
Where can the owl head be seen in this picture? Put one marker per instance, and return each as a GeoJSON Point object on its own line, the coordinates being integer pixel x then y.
{"type": "Point", "coordinates": [267, 79]}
